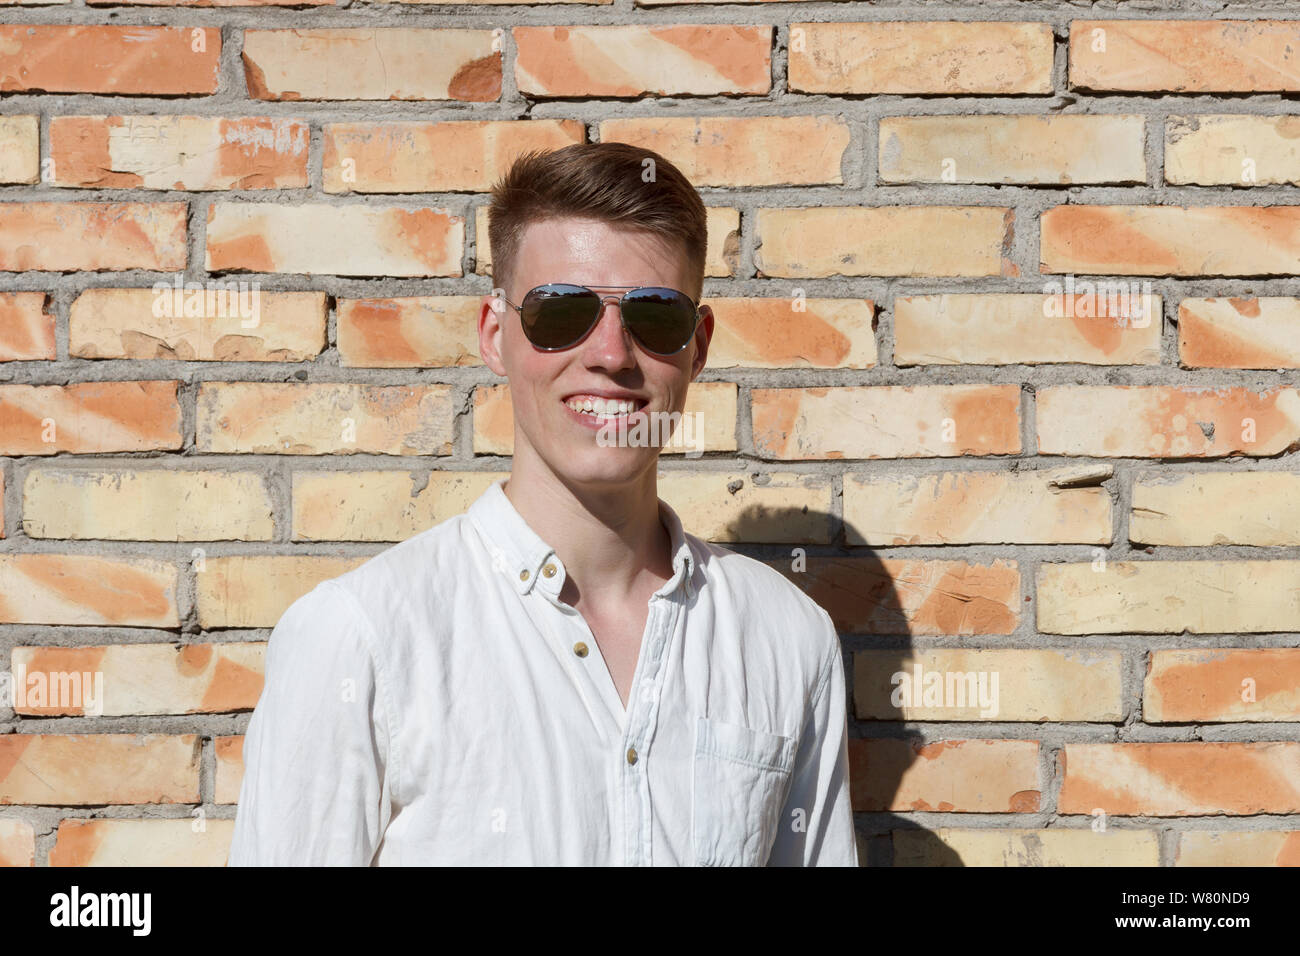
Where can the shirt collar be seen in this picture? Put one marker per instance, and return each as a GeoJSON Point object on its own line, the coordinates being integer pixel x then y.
{"type": "Point", "coordinates": [520, 553]}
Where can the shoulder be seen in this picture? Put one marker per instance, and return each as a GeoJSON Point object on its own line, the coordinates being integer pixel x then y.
{"type": "Point", "coordinates": [768, 599]}
{"type": "Point", "coordinates": [413, 563]}
{"type": "Point", "coordinates": [385, 587]}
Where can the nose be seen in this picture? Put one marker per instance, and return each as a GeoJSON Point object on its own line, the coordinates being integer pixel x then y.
{"type": "Point", "coordinates": [609, 344]}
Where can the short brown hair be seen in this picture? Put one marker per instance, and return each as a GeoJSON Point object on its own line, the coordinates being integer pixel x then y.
{"type": "Point", "coordinates": [601, 181]}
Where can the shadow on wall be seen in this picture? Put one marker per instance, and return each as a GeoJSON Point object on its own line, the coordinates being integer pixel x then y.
{"type": "Point", "coordinates": [851, 583]}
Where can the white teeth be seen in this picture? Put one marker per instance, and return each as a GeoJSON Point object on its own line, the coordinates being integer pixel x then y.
{"type": "Point", "coordinates": [602, 407]}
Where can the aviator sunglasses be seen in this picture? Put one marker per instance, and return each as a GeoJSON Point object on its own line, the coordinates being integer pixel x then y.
{"type": "Point", "coordinates": [558, 316]}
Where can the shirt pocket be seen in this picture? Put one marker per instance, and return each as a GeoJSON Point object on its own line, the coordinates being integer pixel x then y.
{"type": "Point", "coordinates": [739, 783]}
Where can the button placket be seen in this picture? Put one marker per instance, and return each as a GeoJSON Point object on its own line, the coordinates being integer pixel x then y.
{"type": "Point", "coordinates": [586, 654]}
{"type": "Point", "coordinates": [642, 718]}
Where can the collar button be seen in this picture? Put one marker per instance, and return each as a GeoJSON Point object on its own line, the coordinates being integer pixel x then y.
{"type": "Point", "coordinates": [523, 575]}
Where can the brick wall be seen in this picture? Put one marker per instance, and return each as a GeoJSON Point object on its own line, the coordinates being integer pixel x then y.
{"type": "Point", "coordinates": [1091, 497]}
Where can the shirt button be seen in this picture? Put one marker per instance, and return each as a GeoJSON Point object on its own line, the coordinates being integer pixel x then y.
{"type": "Point", "coordinates": [523, 575]}
{"type": "Point", "coordinates": [549, 570]}
{"type": "Point", "coordinates": [631, 755]}
{"type": "Point", "coordinates": [580, 649]}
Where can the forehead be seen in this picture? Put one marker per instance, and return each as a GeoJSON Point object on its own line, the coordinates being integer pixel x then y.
{"type": "Point", "coordinates": [591, 252]}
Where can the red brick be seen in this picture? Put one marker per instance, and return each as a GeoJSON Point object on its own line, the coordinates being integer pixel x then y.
{"type": "Point", "coordinates": [88, 769]}
{"type": "Point", "coordinates": [699, 59]}
{"type": "Point", "coordinates": [142, 60]}
{"type": "Point", "coordinates": [1181, 778]}
{"type": "Point", "coordinates": [89, 418]}
{"type": "Point", "coordinates": [26, 327]}
{"type": "Point", "coordinates": [1186, 56]}
{"type": "Point", "coordinates": [900, 596]}
{"type": "Point", "coordinates": [83, 589]}
{"type": "Point", "coordinates": [954, 776]}
{"type": "Point", "coordinates": [179, 152]}
{"type": "Point", "coordinates": [101, 236]}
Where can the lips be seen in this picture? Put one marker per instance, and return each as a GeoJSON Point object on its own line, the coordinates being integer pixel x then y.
{"type": "Point", "coordinates": [602, 406]}
{"type": "Point", "coordinates": [606, 393]}
{"type": "Point", "coordinates": [597, 410]}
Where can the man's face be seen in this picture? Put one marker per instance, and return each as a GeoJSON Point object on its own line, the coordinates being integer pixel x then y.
{"type": "Point", "coordinates": [608, 363]}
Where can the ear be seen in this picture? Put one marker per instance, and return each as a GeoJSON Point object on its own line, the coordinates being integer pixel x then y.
{"type": "Point", "coordinates": [492, 315]}
{"type": "Point", "coordinates": [703, 336]}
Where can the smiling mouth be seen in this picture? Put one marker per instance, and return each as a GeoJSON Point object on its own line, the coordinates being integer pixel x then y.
{"type": "Point", "coordinates": [605, 409]}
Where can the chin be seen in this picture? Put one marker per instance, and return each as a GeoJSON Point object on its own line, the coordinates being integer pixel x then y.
{"type": "Point", "coordinates": [601, 466]}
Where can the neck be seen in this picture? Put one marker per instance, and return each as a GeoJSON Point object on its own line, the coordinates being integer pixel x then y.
{"type": "Point", "coordinates": [610, 538]}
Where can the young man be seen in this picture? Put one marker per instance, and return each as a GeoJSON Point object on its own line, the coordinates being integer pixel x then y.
{"type": "Point", "coordinates": [561, 675]}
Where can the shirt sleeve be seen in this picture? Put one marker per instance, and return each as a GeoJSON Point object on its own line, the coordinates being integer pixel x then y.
{"type": "Point", "coordinates": [317, 767]}
{"type": "Point", "coordinates": [816, 826]}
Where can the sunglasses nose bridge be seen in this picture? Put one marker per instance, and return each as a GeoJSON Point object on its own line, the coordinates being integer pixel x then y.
{"type": "Point", "coordinates": [618, 301]}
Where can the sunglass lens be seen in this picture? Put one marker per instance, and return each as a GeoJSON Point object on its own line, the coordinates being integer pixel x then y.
{"type": "Point", "coordinates": [662, 319]}
{"type": "Point", "coordinates": [557, 316]}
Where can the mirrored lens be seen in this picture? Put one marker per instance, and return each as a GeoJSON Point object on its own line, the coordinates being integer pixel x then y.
{"type": "Point", "coordinates": [661, 319]}
{"type": "Point", "coordinates": [556, 316]}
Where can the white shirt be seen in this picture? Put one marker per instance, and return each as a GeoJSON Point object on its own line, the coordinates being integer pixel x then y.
{"type": "Point", "coordinates": [439, 705]}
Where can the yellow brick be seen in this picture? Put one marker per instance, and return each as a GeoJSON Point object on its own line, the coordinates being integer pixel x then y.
{"type": "Point", "coordinates": [1165, 421]}
{"type": "Point", "coordinates": [921, 57]}
{"type": "Point", "coordinates": [255, 590]}
{"type": "Point", "coordinates": [347, 239]}
{"type": "Point", "coordinates": [121, 323]}
{"type": "Point", "coordinates": [732, 507]}
{"type": "Point", "coordinates": [889, 421]}
{"type": "Point", "coordinates": [1232, 150]}
{"type": "Point", "coordinates": [147, 505]}
{"type": "Point", "coordinates": [1057, 150]}
{"type": "Point", "coordinates": [392, 63]}
{"type": "Point", "coordinates": [1117, 325]}
{"type": "Point", "coordinates": [20, 153]}
{"type": "Point", "coordinates": [418, 157]}
{"type": "Point", "coordinates": [1166, 597]}
{"type": "Point", "coordinates": [1047, 506]}
{"type": "Point", "coordinates": [326, 418]}
{"type": "Point", "coordinates": [741, 151]}
{"type": "Point", "coordinates": [380, 505]}
{"type": "Point", "coordinates": [1221, 507]}
{"type": "Point", "coordinates": [1238, 848]}
{"type": "Point", "coordinates": [1000, 847]}
{"type": "Point", "coordinates": [976, 684]}
{"type": "Point", "coordinates": [822, 241]}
